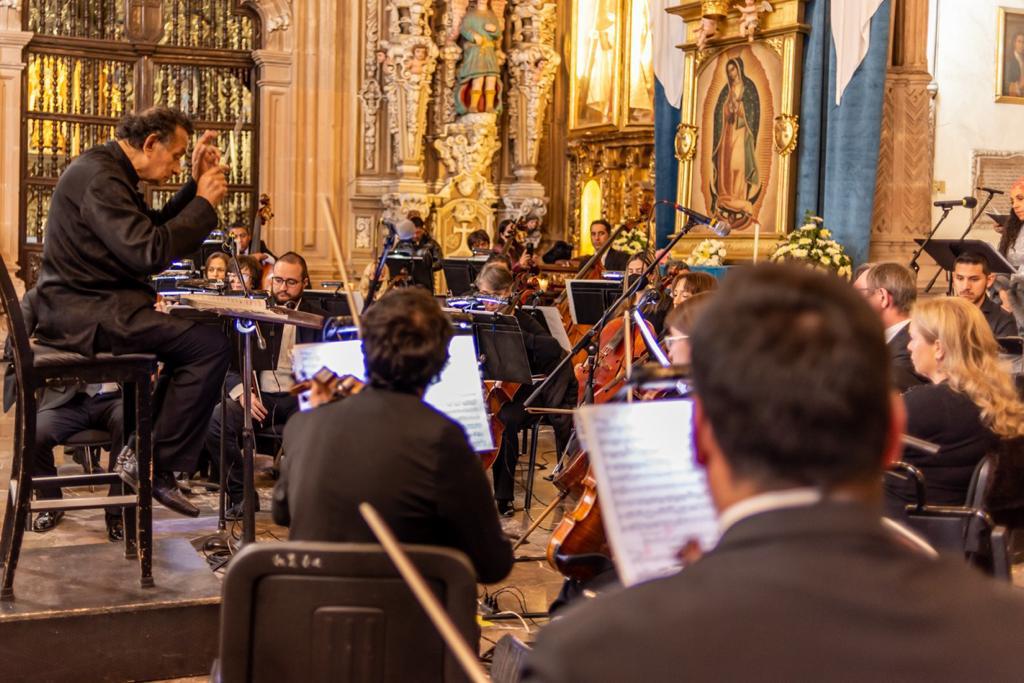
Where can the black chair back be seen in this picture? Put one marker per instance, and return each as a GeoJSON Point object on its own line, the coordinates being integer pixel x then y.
{"type": "Point", "coordinates": [17, 329]}
{"type": "Point", "coordinates": [303, 611]}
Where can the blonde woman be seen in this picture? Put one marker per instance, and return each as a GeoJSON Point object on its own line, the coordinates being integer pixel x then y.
{"type": "Point", "coordinates": [969, 404]}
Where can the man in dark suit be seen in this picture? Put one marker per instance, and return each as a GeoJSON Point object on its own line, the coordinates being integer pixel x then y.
{"type": "Point", "coordinates": [805, 582]}
{"type": "Point", "coordinates": [972, 276]}
{"type": "Point", "coordinates": [102, 245]}
{"type": "Point", "coordinates": [242, 235]}
{"type": "Point", "coordinates": [600, 233]}
{"type": "Point", "coordinates": [272, 403]}
{"type": "Point", "coordinates": [891, 290]}
{"type": "Point", "coordinates": [387, 447]}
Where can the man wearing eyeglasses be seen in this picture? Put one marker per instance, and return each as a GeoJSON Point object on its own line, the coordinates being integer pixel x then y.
{"type": "Point", "coordinates": [891, 290]}
{"type": "Point", "coordinates": [272, 404]}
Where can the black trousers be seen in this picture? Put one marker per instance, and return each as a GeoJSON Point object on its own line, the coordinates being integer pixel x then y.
{"type": "Point", "coordinates": [515, 418]}
{"type": "Point", "coordinates": [279, 408]}
{"type": "Point", "coordinates": [54, 426]}
{"type": "Point", "coordinates": [195, 361]}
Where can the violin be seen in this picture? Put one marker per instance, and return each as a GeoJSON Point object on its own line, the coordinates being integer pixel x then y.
{"type": "Point", "coordinates": [327, 387]}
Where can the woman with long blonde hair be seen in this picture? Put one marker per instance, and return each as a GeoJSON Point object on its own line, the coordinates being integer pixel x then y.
{"type": "Point", "coordinates": [970, 403]}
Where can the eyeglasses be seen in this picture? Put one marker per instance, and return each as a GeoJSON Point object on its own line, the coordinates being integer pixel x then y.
{"type": "Point", "coordinates": [676, 338]}
{"type": "Point", "coordinates": [282, 281]}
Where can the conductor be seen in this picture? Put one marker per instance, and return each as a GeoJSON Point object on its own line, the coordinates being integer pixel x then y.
{"type": "Point", "coordinates": [102, 244]}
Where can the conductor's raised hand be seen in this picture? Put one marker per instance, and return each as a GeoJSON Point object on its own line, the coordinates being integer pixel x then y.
{"type": "Point", "coordinates": [205, 155]}
{"type": "Point", "coordinates": [213, 185]}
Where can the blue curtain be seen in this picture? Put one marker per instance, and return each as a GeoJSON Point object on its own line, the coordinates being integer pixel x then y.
{"type": "Point", "coordinates": [847, 149]}
{"type": "Point", "coordinates": [666, 167]}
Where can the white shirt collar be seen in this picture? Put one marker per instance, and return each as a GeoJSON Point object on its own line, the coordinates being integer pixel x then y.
{"type": "Point", "coordinates": [893, 330]}
{"type": "Point", "coordinates": [767, 502]}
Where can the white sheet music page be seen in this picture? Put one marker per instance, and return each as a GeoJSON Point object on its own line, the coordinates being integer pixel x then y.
{"type": "Point", "coordinates": [653, 494]}
{"type": "Point", "coordinates": [458, 393]}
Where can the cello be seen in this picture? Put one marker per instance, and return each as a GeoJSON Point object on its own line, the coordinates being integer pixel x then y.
{"type": "Point", "coordinates": [261, 218]}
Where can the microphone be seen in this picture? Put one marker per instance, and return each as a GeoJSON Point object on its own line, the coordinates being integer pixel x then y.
{"type": "Point", "coordinates": [969, 202]}
{"type": "Point", "coordinates": [718, 227]}
{"type": "Point", "coordinates": [991, 190]}
{"type": "Point", "coordinates": [404, 229]}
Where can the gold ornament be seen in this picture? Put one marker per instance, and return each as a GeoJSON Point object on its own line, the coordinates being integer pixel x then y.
{"type": "Point", "coordinates": [686, 141]}
{"type": "Point", "coordinates": [786, 128]}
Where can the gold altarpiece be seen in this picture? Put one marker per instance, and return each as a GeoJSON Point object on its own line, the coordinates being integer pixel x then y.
{"type": "Point", "coordinates": [610, 113]}
{"type": "Point", "coordinates": [740, 119]}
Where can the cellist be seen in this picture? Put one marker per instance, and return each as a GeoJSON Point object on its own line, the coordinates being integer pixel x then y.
{"type": "Point", "coordinates": [544, 353]}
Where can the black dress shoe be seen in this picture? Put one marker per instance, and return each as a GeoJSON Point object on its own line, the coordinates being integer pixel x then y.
{"type": "Point", "coordinates": [235, 511]}
{"type": "Point", "coordinates": [165, 492]}
{"type": "Point", "coordinates": [115, 529]}
{"type": "Point", "coordinates": [47, 521]}
{"type": "Point", "coordinates": [505, 508]}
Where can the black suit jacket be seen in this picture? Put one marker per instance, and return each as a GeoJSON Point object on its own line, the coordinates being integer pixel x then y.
{"type": "Point", "coordinates": [804, 594]}
{"type": "Point", "coordinates": [615, 260]}
{"type": "Point", "coordinates": [1001, 322]}
{"type": "Point", "coordinates": [102, 244]}
{"type": "Point", "coordinates": [950, 419]}
{"type": "Point", "coordinates": [409, 461]}
{"type": "Point", "coordinates": [902, 368]}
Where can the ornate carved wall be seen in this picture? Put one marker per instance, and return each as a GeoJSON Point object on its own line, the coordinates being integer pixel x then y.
{"type": "Point", "coordinates": [903, 188]}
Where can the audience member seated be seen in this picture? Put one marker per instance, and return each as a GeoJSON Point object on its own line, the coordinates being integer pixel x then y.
{"type": "Point", "coordinates": [972, 277]}
{"type": "Point", "coordinates": [891, 290]}
{"type": "Point", "coordinates": [387, 447]}
{"type": "Point", "coordinates": [63, 411]}
{"type": "Point", "coordinates": [680, 324]}
{"type": "Point", "coordinates": [242, 236]}
{"type": "Point", "coordinates": [969, 404]}
{"type": "Point", "coordinates": [478, 241]}
{"type": "Point", "coordinates": [690, 283]}
{"type": "Point", "coordinates": [272, 404]}
{"type": "Point", "coordinates": [251, 271]}
{"type": "Point", "coordinates": [216, 267]}
{"type": "Point", "coordinates": [794, 422]}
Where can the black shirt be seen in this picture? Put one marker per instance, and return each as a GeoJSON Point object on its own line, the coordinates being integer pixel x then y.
{"type": "Point", "coordinates": [1001, 322]}
{"type": "Point", "coordinates": [409, 461]}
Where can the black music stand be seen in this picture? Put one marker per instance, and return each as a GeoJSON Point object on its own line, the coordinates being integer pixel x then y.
{"type": "Point", "coordinates": [946, 252]}
{"type": "Point", "coordinates": [419, 269]}
{"type": "Point", "coordinates": [589, 299]}
{"type": "Point", "coordinates": [499, 341]}
{"type": "Point", "coordinates": [460, 274]}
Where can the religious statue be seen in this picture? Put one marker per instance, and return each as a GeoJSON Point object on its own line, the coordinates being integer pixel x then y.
{"type": "Point", "coordinates": [750, 19]}
{"type": "Point", "coordinates": [707, 30]}
{"type": "Point", "coordinates": [736, 183]}
{"type": "Point", "coordinates": [478, 85]}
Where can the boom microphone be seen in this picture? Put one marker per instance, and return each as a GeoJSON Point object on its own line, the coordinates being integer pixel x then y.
{"type": "Point", "coordinates": [718, 227]}
{"type": "Point", "coordinates": [969, 202]}
{"type": "Point", "coordinates": [991, 190]}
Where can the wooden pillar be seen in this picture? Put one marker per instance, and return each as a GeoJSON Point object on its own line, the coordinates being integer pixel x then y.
{"type": "Point", "coordinates": [903, 188]}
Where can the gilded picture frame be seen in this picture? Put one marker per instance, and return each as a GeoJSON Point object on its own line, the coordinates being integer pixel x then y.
{"type": "Point", "coordinates": [739, 129]}
{"type": "Point", "coordinates": [1009, 56]}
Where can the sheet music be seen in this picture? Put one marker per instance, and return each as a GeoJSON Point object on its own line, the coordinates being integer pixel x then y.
{"type": "Point", "coordinates": [653, 494]}
{"type": "Point", "coordinates": [458, 393]}
{"type": "Point", "coordinates": [554, 320]}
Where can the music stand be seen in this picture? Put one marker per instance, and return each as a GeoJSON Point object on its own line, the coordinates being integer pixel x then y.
{"type": "Point", "coordinates": [460, 274]}
{"type": "Point", "coordinates": [418, 268]}
{"type": "Point", "coordinates": [499, 341]}
{"type": "Point", "coordinates": [589, 299]}
{"type": "Point", "coordinates": [945, 253]}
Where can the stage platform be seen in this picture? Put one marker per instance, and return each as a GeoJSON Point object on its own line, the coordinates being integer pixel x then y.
{"type": "Point", "coordinates": [79, 614]}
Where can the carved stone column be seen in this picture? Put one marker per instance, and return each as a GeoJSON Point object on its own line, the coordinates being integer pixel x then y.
{"type": "Point", "coordinates": [12, 42]}
{"type": "Point", "coordinates": [903, 187]}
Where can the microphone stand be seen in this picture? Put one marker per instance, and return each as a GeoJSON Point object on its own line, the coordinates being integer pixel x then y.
{"type": "Point", "coordinates": [587, 340]}
{"type": "Point", "coordinates": [970, 226]}
{"type": "Point", "coordinates": [389, 244]}
{"type": "Point", "coordinates": [917, 254]}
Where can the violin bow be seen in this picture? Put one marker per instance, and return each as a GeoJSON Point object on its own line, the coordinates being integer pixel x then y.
{"type": "Point", "coordinates": [339, 257]}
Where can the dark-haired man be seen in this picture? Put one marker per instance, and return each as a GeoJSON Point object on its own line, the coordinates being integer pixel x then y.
{"type": "Point", "coordinates": [387, 447]}
{"type": "Point", "coordinates": [972, 277]}
{"type": "Point", "coordinates": [272, 402]}
{"type": "Point", "coordinates": [103, 243]}
{"type": "Point", "coordinates": [600, 233]}
{"type": "Point", "coordinates": [805, 582]}
{"type": "Point", "coordinates": [891, 290]}
{"type": "Point", "coordinates": [242, 235]}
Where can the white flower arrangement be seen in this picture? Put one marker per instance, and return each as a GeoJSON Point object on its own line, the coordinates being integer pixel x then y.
{"type": "Point", "coordinates": [631, 242]}
{"type": "Point", "coordinates": [707, 253]}
{"type": "Point", "coordinates": [812, 243]}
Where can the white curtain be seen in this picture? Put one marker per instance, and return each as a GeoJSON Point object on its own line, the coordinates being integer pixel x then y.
{"type": "Point", "coordinates": [668, 31]}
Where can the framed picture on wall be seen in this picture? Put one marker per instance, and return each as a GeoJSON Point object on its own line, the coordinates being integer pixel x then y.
{"type": "Point", "coordinates": [1010, 56]}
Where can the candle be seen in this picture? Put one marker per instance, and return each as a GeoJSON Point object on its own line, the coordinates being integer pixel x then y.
{"type": "Point", "coordinates": [757, 238]}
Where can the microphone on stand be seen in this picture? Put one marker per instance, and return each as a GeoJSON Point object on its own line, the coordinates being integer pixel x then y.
{"type": "Point", "coordinates": [991, 190]}
{"type": "Point", "coordinates": [716, 226]}
{"type": "Point", "coordinates": [969, 202]}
